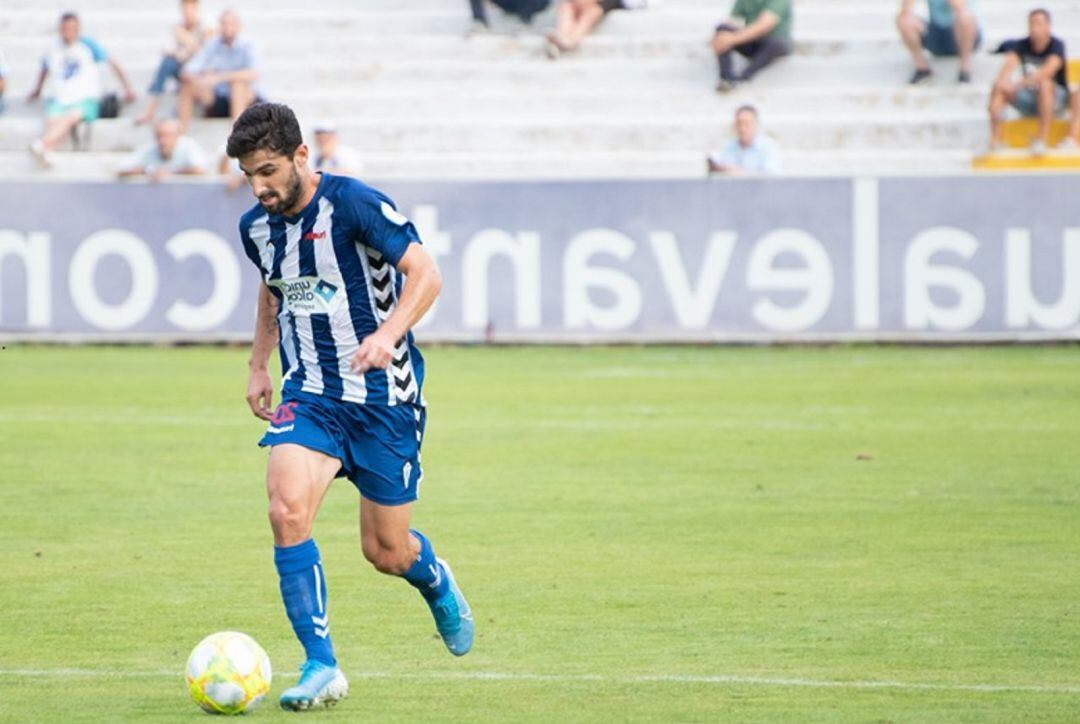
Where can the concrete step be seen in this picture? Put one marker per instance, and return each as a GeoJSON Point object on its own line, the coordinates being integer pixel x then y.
{"type": "Point", "coordinates": [532, 165]}
{"type": "Point", "coordinates": [518, 76]}
{"type": "Point", "coordinates": [453, 17]}
{"type": "Point", "coordinates": [561, 133]}
{"type": "Point", "coordinates": [428, 100]}
{"type": "Point", "coordinates": [27, 50]}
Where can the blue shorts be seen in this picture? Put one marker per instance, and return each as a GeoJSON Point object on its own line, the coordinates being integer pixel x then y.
{"type": "Point", "coordinates": [1027, 100]}
{"type": "Point", "coordinates": [378, 446]}
{"type": "Point", "coordinates": [941, 41]}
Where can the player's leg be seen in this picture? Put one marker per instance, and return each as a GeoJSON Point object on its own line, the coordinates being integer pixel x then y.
{"type": "Point", "coordinates": [999, 100]}
{"type": "Point", "coordinates": [296, 481]}
{"type": "Point", "coordinates": [1046, 107]}
{"type": "Point", "coordinates": [966, 30]}
{"type": "Point", "coordinates": [241, 95]}
{"type": "Point", "coordinates": [396, 550]}
{"type": "Point", "coordinates": [912, 29]}
{"type": "Point", "coordinates": [1074, 117]}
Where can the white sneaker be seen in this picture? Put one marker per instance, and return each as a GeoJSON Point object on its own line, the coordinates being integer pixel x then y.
{"type": "Point", "coordinates": [1068, 144]}
{"type": "Point", "coordinates": [1038, 148]}
{"type": "Point", "coordinates": [43, 157]}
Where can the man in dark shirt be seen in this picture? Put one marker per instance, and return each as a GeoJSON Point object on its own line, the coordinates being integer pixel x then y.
{"type": "Point", "coordinates": [1042, 89]}
{"type": "Point", "coordinates": [760, 31]}
{"type": "Point", "coordinates": [524, 9]}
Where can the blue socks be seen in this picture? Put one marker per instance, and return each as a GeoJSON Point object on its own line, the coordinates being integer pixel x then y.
{"type": "Point", "coordinates": [303, 588]}
{"type": "Point", "coordinates": [426, 575]}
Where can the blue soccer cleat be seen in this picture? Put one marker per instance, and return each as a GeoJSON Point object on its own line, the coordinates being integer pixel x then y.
{"type": "Point", "coordinates": [319, 685]}
{"type": "Point", "coordinates": [453, 617]}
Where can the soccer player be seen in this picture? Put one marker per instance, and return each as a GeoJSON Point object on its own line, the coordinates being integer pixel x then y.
{"type": "Point", "coordinates": [345, 279]}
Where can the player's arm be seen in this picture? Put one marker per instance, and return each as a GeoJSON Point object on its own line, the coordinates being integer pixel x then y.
{"type": "Point", "coordinates": [1048, 70]}
{"type": "Point", "coordinates": [36, 92]}
{"type": "Point", "coordinates": [422, 285]}
{"type": "Point", "coordinates": [1004, 81]}
{"type": "Point", "coordinates": [765, 23]}
{"type": "Point", "coordinates": [260, 391]}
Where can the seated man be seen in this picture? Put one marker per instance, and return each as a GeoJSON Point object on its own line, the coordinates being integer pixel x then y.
{"type": "Point", "coordinates": [1041, 91]}
{"type": "Point", "coordinates": [188, 35]}
{"type": "Point", "coordinates": [577, 18]}
{"type": "Point", "coordinates": [953, 30]}
{"type": "Point", "coordinates": [222, 77]}
{"type": "Point", "coordinates": [170, 153]}
{"type": "Point", "coordinates": [524, 9]}
{"type": "Point", "coordinates": [750, 152]}
{"type": "Point", "coordinates": [763, 36]}
{"type": "Point", "coordinates": [331, 156]}
{"type": "Point", "coordinates": [74, 86]}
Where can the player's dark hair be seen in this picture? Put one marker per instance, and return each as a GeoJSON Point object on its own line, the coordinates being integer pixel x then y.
{"type": "Point", "coordinates": [69, 15]}
{"type": "Point", "coordinates": [752, 110]}
{"type": "Point", "coordinates": [1041, 11]}
{"type": "Point", "coordinates": [265, 126]}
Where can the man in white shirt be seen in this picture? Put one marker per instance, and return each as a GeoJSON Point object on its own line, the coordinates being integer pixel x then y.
{"type": "Point", "coordinates": [170, 153]}
{"type": "Point", "coordinates": [223, 77]}
{"type": "Point", "coordinates": [750, 152]}
{"type": "Point", "coordinates": [74, 91]}
{"type": "Point", "coordinates": [331, 156]}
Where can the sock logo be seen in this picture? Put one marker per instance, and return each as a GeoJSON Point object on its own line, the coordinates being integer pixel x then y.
{"type": "Point", "coordinates": [437, 571]}
{"type": "Point", "coordinates": [322, 626]}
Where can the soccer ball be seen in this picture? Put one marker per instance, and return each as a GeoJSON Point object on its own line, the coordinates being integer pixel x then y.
{"type": "Point", "coordinates": [228, 673]}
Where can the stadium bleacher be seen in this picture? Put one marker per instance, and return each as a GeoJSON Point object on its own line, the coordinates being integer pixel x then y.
{"type": "Point", "coordinates": [419, 100]}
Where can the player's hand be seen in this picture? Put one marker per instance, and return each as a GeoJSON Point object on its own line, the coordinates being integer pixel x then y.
{"type": "Point", "coordinates": [376, 352]}
{"type": "Point", "coordinates": [260, 395]}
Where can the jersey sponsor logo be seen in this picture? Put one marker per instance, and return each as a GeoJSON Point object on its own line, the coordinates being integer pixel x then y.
{"type": "Point", "coordinates": [393, 215]}
{"type": "Point", "coordinates": [306, 295]}
{"type": "Point", "coordinates": [314, 235]}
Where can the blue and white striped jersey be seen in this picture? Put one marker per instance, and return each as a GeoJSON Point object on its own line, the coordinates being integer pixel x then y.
{"type": "Point", "coordinates": [332, 269]}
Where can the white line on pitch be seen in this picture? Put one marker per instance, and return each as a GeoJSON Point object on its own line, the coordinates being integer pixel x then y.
{"type": "Point", "coordinates": [730, 680]}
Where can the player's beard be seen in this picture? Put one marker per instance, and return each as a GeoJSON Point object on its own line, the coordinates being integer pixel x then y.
{"type": "Point", "coordinates": [292, 195]}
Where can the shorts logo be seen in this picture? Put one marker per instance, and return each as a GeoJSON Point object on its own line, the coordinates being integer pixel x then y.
{"type": "Point", "coordinates": [406, 474]}
{"type": "Point", "coordinates": [284, 413]}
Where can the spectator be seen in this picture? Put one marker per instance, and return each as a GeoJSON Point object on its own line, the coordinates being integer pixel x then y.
{"type": "Point", "coordinates": [74, 86]}
{"type": "Point", "coordinates": [170, 153]}
{"type": "Point", "coordinates": [188, 36]}
{"type": "Point", "coordinates": [524, 9]}
{"type": "Point", "coordinates": [762, 37]}
{"type": "Point", "coordinates": [750, 152]}
{"type": "Point", "coordinates": [953, 30]}
{"type": "Point", "coordinates": [1042, 89]}
{"type": "Point", "coordinates": [223, 76]}
{"type": "Point", "coordinates": [3, 78]}
{"type": "Point", "coordinates": [331, 156]}
{"type": "Point", "coordinates": [575, 19]}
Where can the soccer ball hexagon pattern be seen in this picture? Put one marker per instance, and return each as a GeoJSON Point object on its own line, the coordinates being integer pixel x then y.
{"type": "Point", "coordinates": [228, 673]}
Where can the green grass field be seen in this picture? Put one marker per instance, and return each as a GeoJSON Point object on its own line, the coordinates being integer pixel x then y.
{"type": "Point", "coordinates": [806, 535]}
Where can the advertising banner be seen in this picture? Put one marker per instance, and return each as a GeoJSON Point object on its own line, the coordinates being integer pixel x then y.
{"type": "Point", "coordinates": [919, 259]}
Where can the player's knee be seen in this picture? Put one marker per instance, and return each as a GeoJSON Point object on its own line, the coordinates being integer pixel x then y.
{"type": "Point", "coordinates": [289, 521]}
{"type": "Point", "coordinates": [386, 558]}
